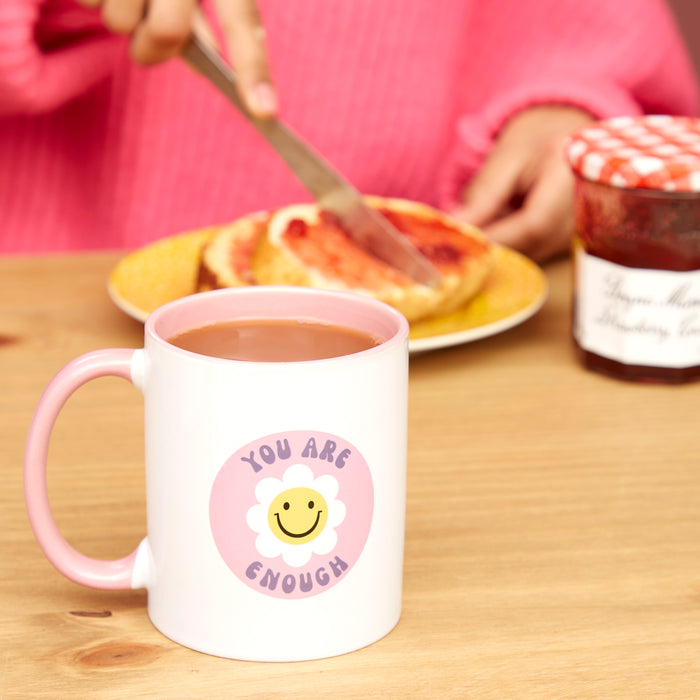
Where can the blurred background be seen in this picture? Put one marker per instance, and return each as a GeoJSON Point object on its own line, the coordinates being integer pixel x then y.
{"type": "Point", "coordinates": [688, 14]}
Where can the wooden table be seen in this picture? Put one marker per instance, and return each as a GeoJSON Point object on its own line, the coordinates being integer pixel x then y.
{"type": "Point", "coordinates": [553, 534]}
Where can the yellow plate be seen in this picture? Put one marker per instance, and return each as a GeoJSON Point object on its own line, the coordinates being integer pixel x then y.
{"type": "Point", "coordinates": [167, 269]}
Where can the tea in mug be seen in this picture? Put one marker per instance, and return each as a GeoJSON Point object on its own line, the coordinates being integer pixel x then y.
{"type": "Point", "coordinates": [274, 340]}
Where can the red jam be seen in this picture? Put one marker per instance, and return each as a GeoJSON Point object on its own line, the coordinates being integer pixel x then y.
{"type": "Point", "coordinates": [325, 245]}
{"type": "Point", "coordinates": [435, 239]}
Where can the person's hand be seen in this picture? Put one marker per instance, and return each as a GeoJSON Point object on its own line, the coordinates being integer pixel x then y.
{"type": "Point", "coordinates": [523, 195]}
{"type": "Point", "coordinates": [160, 28]}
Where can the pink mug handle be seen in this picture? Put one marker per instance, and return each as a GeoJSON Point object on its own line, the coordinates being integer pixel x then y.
{"type": "Point", "coordinates": [107, 574]}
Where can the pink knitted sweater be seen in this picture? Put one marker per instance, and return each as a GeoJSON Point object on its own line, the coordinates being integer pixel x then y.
{"type": "Point", "coordinates": [405, 97]}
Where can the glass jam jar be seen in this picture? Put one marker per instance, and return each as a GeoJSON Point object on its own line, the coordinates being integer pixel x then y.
{"type": "Point", "coordinates": [636, 309]}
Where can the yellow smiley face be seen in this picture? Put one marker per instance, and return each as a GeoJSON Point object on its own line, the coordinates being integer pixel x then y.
{"type": "Point", "coordinates": [297, 515]}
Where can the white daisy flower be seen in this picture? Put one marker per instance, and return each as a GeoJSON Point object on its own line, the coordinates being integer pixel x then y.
{"type": "Point", "coordinates": [296, 516]}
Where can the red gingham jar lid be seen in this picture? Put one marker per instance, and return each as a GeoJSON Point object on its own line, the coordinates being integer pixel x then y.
{"type": "Point", "coordinates": [654, 152]}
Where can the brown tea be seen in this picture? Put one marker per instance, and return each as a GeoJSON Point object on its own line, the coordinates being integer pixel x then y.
{"type": "Point", "coordinates": [274, 340]}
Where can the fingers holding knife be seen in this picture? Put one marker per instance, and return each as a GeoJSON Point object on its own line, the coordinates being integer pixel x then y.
{"type": "Point", "coordinates": [160, 28]}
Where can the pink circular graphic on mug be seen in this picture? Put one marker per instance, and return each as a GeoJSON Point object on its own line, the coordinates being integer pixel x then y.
{"type": "Point", "coordinates": [290, 513]}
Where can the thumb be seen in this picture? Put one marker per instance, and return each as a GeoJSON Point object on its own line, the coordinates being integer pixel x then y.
{"type": "Point", "coordinates": [245, 33]}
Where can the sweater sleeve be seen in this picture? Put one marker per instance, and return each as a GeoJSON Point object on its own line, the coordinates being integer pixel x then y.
{"type": "Point", "coordinates": [608, 58]}
{"type": "Point", "coordinates": [51, 51]}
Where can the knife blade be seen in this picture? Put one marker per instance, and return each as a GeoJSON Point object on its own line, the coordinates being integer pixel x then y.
{"type": "Point", "coordinates": [368, 227]}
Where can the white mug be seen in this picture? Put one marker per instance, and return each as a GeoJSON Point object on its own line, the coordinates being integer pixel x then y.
{"type": "Point", "coordinates": [227, 440]}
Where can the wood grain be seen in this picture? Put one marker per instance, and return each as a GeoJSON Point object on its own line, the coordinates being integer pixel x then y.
{"type": "Point", "coordinates": [553, 534]}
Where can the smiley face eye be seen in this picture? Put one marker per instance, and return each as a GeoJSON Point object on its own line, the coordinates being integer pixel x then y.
{"type": "Point", "coordinates": [286, 505]}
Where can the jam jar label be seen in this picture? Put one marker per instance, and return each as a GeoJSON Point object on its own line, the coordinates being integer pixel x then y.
{"type": "Point", "coordinates": [637, 316]}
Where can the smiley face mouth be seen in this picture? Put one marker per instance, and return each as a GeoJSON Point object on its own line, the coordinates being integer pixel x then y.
{"type": "Point", "coordinates": [298, 535]}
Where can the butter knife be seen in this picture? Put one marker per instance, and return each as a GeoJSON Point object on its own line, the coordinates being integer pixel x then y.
{"type": "Point", "coordinates": [333, 193]}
